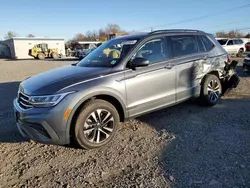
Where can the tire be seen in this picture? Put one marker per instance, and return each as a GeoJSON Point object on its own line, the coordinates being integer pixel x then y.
{"type": "Point", "coordinates": [240, 53]}
{"type": "Point", "coordinates": [87, 138]}
{"type": "Point", "coordinates": [54, 55]}
{"type": "Point", "coordinates": [41, 56]}
{"type": "Point", "coordinates": [211, 90]}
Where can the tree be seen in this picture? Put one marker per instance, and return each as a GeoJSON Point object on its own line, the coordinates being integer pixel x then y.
{"type": "Point", "coordinates": [102, 35]}
{"type": "Point", "coordinates": [91, 36]}
{"type": "Point", "coordinates": [112, 28]}
{"type": "Point", "coordinates": [248, 35]}
{"type": "Point", "coordinates": [235, 34]}
{"type": "Point", "coordinates": [10, 35]}
{"type": "Point", "coordinates": [79, 37]}
{"type": "Point", "coordinates": [230, 34]}
{"type": "Point", "coordinates": [221, 34]}
{"type": "Point", "coordinates": [31, 35]}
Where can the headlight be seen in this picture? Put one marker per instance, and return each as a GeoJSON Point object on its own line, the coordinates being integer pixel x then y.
{"type": "Point", "coordinates": [47, 100]}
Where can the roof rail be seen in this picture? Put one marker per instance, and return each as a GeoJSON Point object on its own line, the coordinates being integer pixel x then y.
{"type": "Point", "coordinates": [174, 30]}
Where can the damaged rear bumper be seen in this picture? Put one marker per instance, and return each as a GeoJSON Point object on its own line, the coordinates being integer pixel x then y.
{"type": "Point", "coordinates": [230, 78]}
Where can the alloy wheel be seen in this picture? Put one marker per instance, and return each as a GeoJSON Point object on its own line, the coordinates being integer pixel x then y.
{"type": "Point", "coordinates": [98, 126]}
{"type": "Point", "coordinates": [213, 90]}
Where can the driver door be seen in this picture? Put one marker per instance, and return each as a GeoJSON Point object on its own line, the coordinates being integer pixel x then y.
{"type": "Point", "coordinates": [151, 87]}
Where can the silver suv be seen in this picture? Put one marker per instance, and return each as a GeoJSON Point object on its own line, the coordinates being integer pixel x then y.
{"type": "Point", "coordinates": [123, 78]}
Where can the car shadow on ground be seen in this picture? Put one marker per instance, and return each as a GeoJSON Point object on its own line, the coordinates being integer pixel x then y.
{"type": "Point", "coordinates": [207, 144]}
{"type": "Point", "coordinates": [8, 130]}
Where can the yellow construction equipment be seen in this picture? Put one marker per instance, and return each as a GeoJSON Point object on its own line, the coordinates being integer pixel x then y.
{"type": "Point", "coordinates": [41, 51]}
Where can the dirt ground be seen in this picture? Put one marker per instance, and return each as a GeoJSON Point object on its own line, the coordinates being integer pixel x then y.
{"type": "Point", "coordinates": [182, 146]}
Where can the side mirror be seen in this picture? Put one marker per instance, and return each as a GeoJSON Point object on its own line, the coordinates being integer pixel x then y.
{"type": "Point", "coordinates": [139, 62]}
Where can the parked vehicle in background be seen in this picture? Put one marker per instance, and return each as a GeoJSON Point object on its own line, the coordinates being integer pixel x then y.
{"type": "Point", "coordinates": [246, 63]}
{"type": "Point", "coordinates": [123, 78]}
{"type": "Point", "coordinates": [84, 46]}
{"type": "Point", "coordinates": [41, 51]}
{"type": "Point", "coordinates": [84, 53]}
{"type": "Point", "coordinates": [233, 46]}
{"type": "Point", "coordinates": [247, 46]}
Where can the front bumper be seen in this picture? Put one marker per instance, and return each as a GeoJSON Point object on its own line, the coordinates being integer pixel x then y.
{"type": "Point", "coordinates": [246, 65]}
{"type": "Point", "coordinates": [44, 125]}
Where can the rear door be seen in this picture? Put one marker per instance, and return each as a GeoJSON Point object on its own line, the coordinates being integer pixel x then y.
{"type": "Point", "coordinates": [187, 52]}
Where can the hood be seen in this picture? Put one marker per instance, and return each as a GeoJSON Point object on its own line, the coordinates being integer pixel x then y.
{"type": "Point", "coordinates": [53, 80]}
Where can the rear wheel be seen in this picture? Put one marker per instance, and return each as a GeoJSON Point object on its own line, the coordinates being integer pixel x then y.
{"type": "Point", "coordinates": [211, 90]}
{"type": "Point", "coordinates": [96, 125]}
{"type": "Point", "coordinates": [54, 55]}
{"type": "Point", "coordinates": [41, 56]}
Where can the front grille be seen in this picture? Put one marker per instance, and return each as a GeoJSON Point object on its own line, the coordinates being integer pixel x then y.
{"type": "Point", "coordinates": [23, 101]}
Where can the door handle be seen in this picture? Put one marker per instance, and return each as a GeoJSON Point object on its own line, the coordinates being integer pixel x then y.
{"type": "Point", "coordinates": [169, 66]}
{"type": "Point", "coordinates": [127, 77]}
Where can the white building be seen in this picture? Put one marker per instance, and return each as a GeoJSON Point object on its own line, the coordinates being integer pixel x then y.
{"type": "Point", "coordinates": [19, 46]}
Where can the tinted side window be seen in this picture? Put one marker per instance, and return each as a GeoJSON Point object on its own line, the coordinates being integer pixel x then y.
{"type": "Point", "coordinates": [236, 42]}
{"type": "Point", "coordinates": [240, 41]}
{"type": "Point", "coordinates": [154, 51]}
{"type": "Point", "coordinates": [201, 45]}
{"type": "Point", "coordinates": [184, 45]}
{"type": "Point", "coordinates": [230, 42]}
{"type": "Point", "coordinates": [207, 42]}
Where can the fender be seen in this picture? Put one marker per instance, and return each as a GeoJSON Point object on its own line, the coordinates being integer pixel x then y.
{"type": "Point", "coordinates": [92, 93]}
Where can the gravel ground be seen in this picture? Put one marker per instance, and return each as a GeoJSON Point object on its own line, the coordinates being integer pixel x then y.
{"type": "Point", "coordinates": [182, 146]}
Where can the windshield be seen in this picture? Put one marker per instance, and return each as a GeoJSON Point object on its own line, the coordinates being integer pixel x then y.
{"type": "Point", "coordinates": [108, 54]}
{"type": "Point", "coordinates": [222, 41]}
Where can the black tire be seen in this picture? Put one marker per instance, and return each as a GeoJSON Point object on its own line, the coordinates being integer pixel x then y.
{"type": "Point", "coordinates": [240, 52]}
{"type": "Point", "coordinates": [41, 56]}
{"type": "Point", "coordinates": [54, 55]}
{"type": "Point", "coordinates": [80, 136]}
{"type": "Point", "coordinates": [210, 95]}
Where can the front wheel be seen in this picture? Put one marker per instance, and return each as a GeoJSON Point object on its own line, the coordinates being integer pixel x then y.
{"type": "Point", "coordinates": [96, 125]}
{"type": "Point", "coordinates": [54, 55]}
{"type": "Point", "coordinates": [41, 56]}
{"type": "Point", "coordinates": [211, 90]}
